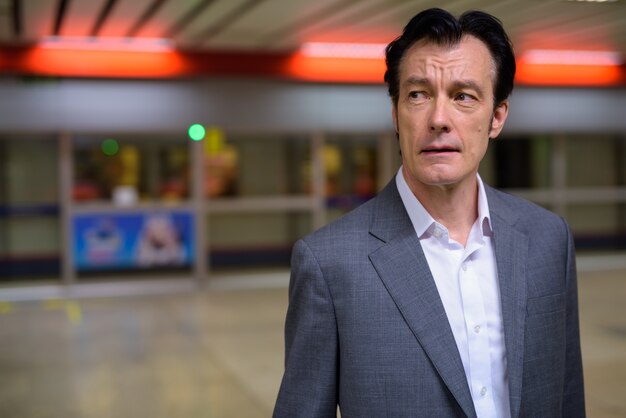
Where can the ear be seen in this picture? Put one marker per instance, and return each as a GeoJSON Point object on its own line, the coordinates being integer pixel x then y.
{"type": "Point", "coordinates": [499, 117]}
{"type": "Point", "coordinates": [394, 116]}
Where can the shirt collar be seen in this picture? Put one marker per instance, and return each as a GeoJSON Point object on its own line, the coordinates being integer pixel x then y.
{"type": "Point", "coordinates": [484, 218]}
{"type": "Point", "coordinates": [422, 220]}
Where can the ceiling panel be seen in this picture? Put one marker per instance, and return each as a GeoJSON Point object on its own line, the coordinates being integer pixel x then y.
{"type": "Point", "coordinates": [190, 35]}
{"type": "Point", "coordinates": [171, 12]}
{"type": "Point", "coordinates": [398, 16]}
{"type": "Point", "coordinates": [6, 22]}
{"type": "Point", "coordinates": [287, 34]}
{"type": "Point", "coordinates": [285, 24]}
{"type": "Point", "coordinates": [380, 25]}
{"type": "Point", "coordinates": [80, 17]}
{"type": "Point", "coordinates": [38, 17]}
{"type": "Point", "coordinates": [336, 23]}
{"type": "Point", "coordinates": [527, 17]}
{"type": "Point", "coordinates": [280, 13]}
{"type": "Point", "coordinates": [123, 17]}
{"type": "Point", "coordinates": [250, 30]}
{"type": "Point", "coordinates": [578, 26]}
{"type": "Point", "coordinates": [391, 19]}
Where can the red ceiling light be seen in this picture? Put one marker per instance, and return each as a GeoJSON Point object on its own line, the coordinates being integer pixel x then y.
{"type": "Point", "coordinates": [107, 44]}
{"type": "Point", "coordinates": [335, 70]}
{"type": "Point", "coordinates": [315, 62]}
{"type": "Point", "coordinates": [338, 62]}
{"type": "Point", "coordinates": [572, 57]}
{"type": "Point", "coordinates": [570, 68]}
{"type": "Point", "coordinates": [343, 50]}
{"type": "Point", "coordinates": [93, 63]}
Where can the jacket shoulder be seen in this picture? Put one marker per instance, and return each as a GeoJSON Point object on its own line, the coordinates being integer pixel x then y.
{"type": "Point", "coordinates": [526, 215]}
{"type": "Point", "coordinates": [344, 229]}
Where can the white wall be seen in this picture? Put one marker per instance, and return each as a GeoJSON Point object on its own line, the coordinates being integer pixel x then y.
{"type": "Point", "coordinates": [267, 105]}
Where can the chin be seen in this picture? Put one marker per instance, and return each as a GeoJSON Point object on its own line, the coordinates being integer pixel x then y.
{"type": "Point", "coordinates": [442, 180]}
{"type": "Point", "coordinates": [439, 178]}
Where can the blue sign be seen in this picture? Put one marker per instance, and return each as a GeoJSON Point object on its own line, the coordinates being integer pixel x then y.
{"type": "Point", "coordinates": [106, 241]}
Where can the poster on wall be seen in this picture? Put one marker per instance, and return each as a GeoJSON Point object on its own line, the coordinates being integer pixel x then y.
{"type": "Point", "coordinates": [105, 241]}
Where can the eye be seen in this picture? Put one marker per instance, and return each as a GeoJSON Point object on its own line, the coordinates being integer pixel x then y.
{"type": "Point", "coordinates": [417, 95]}
{"type": "Point", "coordinates": [465, 100]}
{"type": "Point", "coordinates": [464, 97]}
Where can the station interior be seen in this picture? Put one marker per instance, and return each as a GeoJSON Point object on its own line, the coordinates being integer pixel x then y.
{"type": "Point", "coordinates": [159, 159]}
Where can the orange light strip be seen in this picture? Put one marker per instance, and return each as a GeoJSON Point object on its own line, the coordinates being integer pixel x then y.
{"type": "Point", "coordinates": [343, 50]}
{"type": "Point", "coordinates": [335, 70]}
{"type": "Point", "coordinates": [107, 44]}
{"type": "Point", "coordinates": [572, 57]}
{"type": "Point", "coordinates": [569, 75]}
{"type": "Point", "coordinates": [106, 63]}
{"type": "Point", "coordinates": [570, 68]}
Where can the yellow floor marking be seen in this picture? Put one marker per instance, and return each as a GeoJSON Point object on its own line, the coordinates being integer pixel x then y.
{"type": "Point", "coordinates": [72, 309]}
{"type": "Point", "coordinates": [53, 304]}
{"type": "Point", "coordinates": [6, 307]}
{"type": "Point", "coordinates": [74, 313]}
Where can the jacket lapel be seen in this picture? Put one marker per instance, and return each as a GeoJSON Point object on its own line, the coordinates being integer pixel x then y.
{"type": "Point", "coordinates": [403, 268]}
{"type": "Point", "coordinates": [511, 248]}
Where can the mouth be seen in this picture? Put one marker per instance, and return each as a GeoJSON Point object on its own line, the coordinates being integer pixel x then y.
{"type": "Point", "coordinates": [439, 150]}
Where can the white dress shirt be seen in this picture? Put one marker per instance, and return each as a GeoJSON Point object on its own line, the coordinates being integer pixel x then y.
{"type": "Point", "coordinates": [467, 282]}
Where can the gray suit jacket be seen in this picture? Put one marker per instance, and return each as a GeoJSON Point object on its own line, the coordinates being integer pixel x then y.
{"type": "Point", "coordinates": [366, 329]}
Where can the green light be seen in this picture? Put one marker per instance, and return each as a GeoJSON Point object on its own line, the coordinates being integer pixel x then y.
{"type": "Point", "coordinates": [110, 147]}
{"type": "Point", "coordinates": [196, 132]}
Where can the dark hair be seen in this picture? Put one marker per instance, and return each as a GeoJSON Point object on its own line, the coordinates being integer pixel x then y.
{"type": "Point", "coordinates": [439, 26]}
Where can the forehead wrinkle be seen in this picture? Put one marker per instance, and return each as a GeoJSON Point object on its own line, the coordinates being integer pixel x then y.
{"type": "Point", "coordinates": [428, 69]}
{"type": "Point", "coordinates": [443, 64]}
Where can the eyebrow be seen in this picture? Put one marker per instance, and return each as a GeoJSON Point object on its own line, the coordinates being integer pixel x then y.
{"type": "Point", "coordinates": [467, 84]}
{"type": "Point", "coordinates": [417, 81]}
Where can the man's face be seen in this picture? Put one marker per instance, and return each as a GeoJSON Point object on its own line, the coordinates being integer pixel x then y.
{"type": "Point", "coordinates": [445, 113]}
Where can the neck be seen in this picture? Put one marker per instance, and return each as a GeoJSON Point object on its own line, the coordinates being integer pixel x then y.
{"type": "Point", "coordinates": [453, 206]}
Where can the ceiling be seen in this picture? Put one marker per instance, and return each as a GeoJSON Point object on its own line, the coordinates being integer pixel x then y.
{"type": "Point", "coordinates": [283, 25]}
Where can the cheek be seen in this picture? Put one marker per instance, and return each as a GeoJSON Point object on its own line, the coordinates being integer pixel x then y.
{"type": "Point", "coordinates": [405, 146]}
{"type": "Point", "coordinates": [481, 148]}
{"type": "Point", "coordinates": [482, 126]}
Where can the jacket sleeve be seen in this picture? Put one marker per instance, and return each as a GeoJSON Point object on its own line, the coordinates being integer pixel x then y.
{"type": "Point", "coordinates": [573, 390]}
{"type": "Point", "coordinates": [309, 385]}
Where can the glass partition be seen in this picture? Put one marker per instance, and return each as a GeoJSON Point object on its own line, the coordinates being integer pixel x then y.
{"type": "Point", "coordinates": [125, 219]}
{"type": "Point", "coordinates": [133, 209]}
{"type": "Point", "coordinates": [581, 177]}
{"type": "Point", "coordinates": [351, 172]}
{"type": "Point", "coordinates": [130, 169]}
{"type": "Point", "coordinates": [256, 165]}
{"type": "Point", "coordinates": [518, 163]}
{"type": "Point", "coordinates": [254, 239]}
{"type": "Point", "coordinates": [596, 172]}
{"type": "Point", "coordinates": [29, 209]}
{"type": "Point", "coordinates": [595, 161]}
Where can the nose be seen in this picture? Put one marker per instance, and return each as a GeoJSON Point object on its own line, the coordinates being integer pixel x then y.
{"type": "Point", "coordinates": [439, 117]}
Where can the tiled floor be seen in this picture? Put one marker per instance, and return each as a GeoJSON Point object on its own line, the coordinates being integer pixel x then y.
{"type": "Point", "coordinates": [213, 353]}
{"type": "Point", "coordinates": [603, 332]}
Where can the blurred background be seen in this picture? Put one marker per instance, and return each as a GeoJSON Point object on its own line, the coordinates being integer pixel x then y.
{"type": "Point", "coordinates": [159, 158]}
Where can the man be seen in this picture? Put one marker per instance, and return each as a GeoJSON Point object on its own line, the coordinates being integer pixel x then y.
{"type": "Point", "coordinates": [441, 297]}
